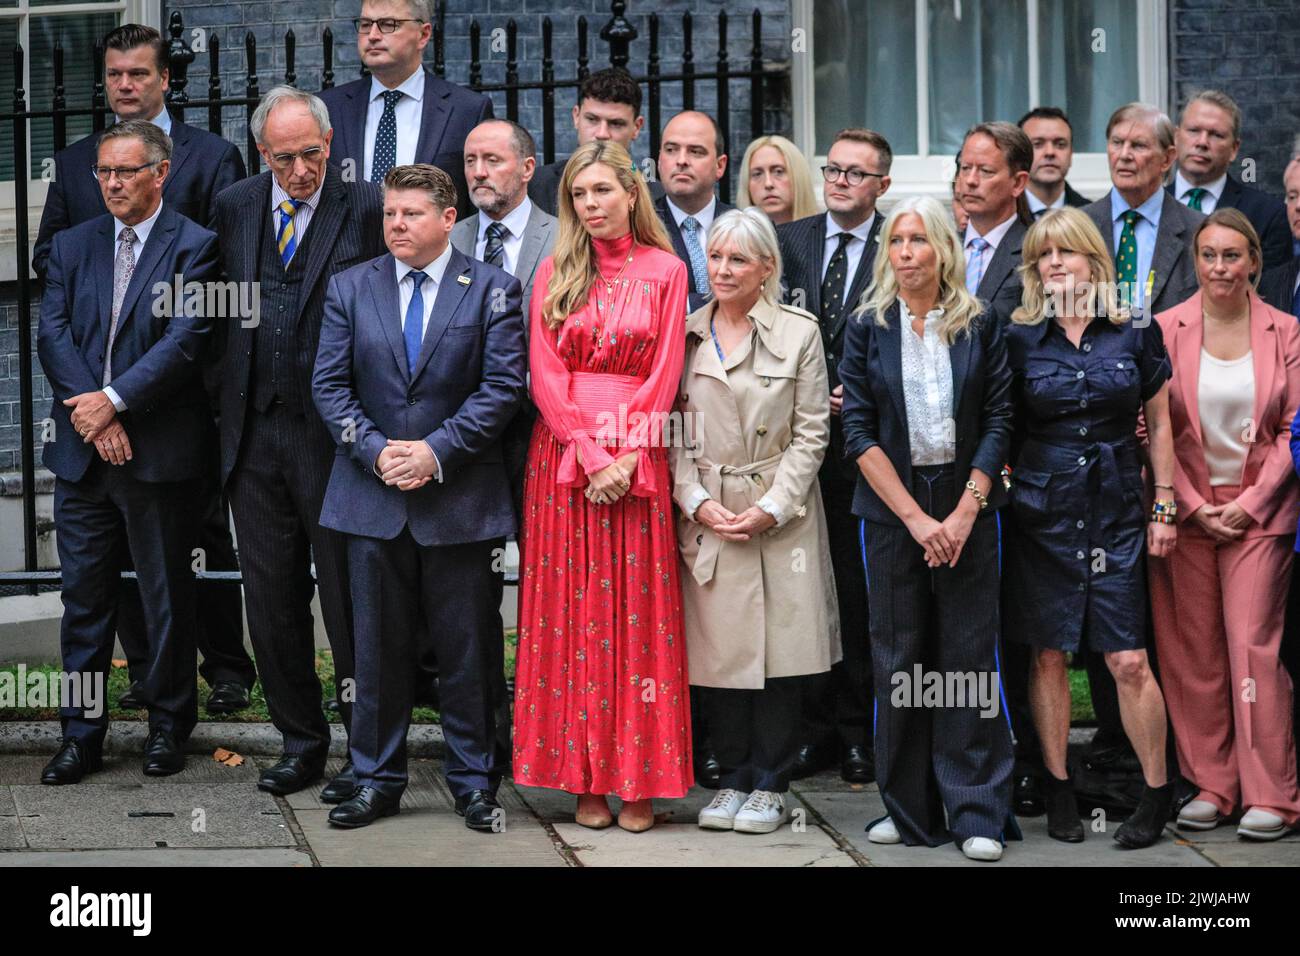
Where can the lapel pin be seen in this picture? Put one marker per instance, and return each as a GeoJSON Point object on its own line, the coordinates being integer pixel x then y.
{"type": "Point", "coordinates": [463, 280]}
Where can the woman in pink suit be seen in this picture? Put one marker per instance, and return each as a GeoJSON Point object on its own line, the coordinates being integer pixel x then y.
{"type": "Point", "coordinates": [1219, 600]}
{"type": "Point", "coordinates": [601, 698]}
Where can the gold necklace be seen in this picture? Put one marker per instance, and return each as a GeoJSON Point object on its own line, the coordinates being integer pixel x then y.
{"type": "Point", "coordinates": [610, 283]}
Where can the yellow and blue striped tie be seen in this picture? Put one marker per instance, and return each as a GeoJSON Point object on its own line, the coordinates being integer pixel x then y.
{"type": "Point", "coordinates": [285, 239]}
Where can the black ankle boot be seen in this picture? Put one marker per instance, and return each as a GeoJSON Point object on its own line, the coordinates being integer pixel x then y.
{"type": "Point", "coordinates": [1148, 821]}
{"type": "Point", "coordinates": [1062, 810]}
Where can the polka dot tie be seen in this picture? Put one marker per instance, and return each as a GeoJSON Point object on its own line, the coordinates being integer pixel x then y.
{"type": "Point", "coordinates": [385, 155]}
{"type": "Point", "coordinates": [1194, 197]}
{"type": "Point", "coordinates": [833, 284]}
{"type": "Point", "coordinates": [1126, 258]}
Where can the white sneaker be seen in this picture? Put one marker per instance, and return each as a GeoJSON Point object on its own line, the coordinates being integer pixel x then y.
{"type": "Point", "coordinates": [1199, 815]}
{"type": "Point", "coordinates": [982, 848]}
{"type": "Point", "coordinates": [763, 812]}
{"type": "Point", "coordinates": [1257, 824]}
{"type": "Point", "coordinates": [884, 832]}
{"type": "Point", "coordinates": [721, 813]}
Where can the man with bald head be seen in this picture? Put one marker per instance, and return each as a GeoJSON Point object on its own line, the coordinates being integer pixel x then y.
{"type": "Point", "coordinates": [284, 233]}
{"type": "Point", "coordinates": [692, 158]}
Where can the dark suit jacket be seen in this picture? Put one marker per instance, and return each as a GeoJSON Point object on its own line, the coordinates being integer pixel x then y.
{"type": "Point", "coordinates": [1075, 198]}
{"type": "Point", "coordinates": [1175, 279]}
{"type": "Point", "coordinates": [468, 383]}
{"type": "Point", "coordinates": [450, 112]}
{"type": "Point", "coordinates": [346, 229]}
{"type": "Point", "coordinates": [1266, 213]}
{"type": "Point", "coordinates": [1277, 287]}
{"type": "Point", "coordinates": [803, 251]}
{"type": "Point", "coordinates": [544, 187]}
{"type": "Point", "coordinates": [202, 165]}
{"type": "Point", "coordinates": [1001, 287]}
{"type": "Point", "coordinates": [875, 411]}
{"type": "Point", "coordinates": [157, 358]}
{"type": "Point", "coordinates": [693, 299]}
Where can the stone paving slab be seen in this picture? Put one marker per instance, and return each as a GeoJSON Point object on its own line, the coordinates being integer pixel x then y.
{"type": "Point", "coordinates": [11, 834]}
{"type": "Point", "coordinates": [170, 856]}
{"type": "Point", "coordinates": [127, 771]}
{"type": "Point", "coordinates": [685, 844]}
{"type": "Point", "coordinates": [101, 817]}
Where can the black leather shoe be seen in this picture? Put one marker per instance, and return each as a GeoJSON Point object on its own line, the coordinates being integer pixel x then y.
{"type": "Point", "coordinates": [1062, 810]}
{"type": "Point", "coordinates": [74, 760]}
{"type": "Point", "coordinates": [292, 773]}
{"type": "Point", "coordinates": [858, 765]}
{"type": "Point", "coordinates": [708, 772]}
{"type": "Point", "coordinates": [1026, 797]}
{"type": "Point", "coordinates": [227, 697]}
{"type": "Point", "coordinates": [341, 787]}
{"type": "Point", "coordinates": [364, 807]}
{"type": "Point", "coordinates": [809, 760]}
{"type": "Point", "coordinates": [481, 811]}
{"type": "Point", "coordinates": [162, 755]}
{"type": "Point", "coordinates": [131, 699]}
{"type": "Point", "coordinates": [1147, 822]}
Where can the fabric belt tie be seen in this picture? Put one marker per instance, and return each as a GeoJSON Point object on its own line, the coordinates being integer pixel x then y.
{"type": "Point", "coordinates": [603, 401]}
{"type": "Point", "coordinates": [751, 481]}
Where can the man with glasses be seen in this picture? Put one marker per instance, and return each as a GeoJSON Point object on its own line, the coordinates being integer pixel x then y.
{"type": "Point", "coordinates": [135, 79]}
{"type": "Point", "coordinates": [285, 233]}
{"type": "Point", "coordinates": [828, 264]}
{"type": "Point", "coordinates": [402, 113]}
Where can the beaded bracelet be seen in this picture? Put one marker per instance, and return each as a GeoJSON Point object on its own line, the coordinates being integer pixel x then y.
{"type": "Point", "coordinates": [1163, 511]}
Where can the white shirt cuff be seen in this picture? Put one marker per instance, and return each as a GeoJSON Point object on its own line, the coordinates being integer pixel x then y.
{"type": "Point", "coordinates": [771, 507]}
{"type": "Point", "coordinates": [115, 398]}
{"type": "Point", "coordinates": [697, 498]}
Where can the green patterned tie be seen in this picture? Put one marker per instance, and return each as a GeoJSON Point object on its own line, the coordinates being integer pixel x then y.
{"type": "Point", "coordinates": [1126, 259]}
{"type": "Point", "coordinates": [1194, 197]}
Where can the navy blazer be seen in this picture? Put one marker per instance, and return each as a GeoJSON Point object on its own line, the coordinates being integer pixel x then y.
{"type": "Point", "coordinates": [694, 300]}
{"type": "Point", "coordinates": [157, 358]}
{"type": "Point", "coordinates": [468, 385]}
{"type": "Point", "coordinates": [1277, 287]}
{"type": "Point", "coordinates": [544, 187]}
{"type": "Point", "coordinates": [875, 410]}
{"type": "Point", "coordinates": [449, 113]}
{"type": "Point", "coordinates": [1266, 213]}
{"type": "Point", "coordinates": [1001, 287]}
{"type": "Point", "coordinates": [202, 165]}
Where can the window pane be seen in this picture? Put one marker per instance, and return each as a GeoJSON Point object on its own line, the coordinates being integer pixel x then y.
{"type": "Point", "coordinates": [8, 40]}
{"type": "Point", "coordinates": [1088, 85]}
{"type": "Point", "coordinates": [865, 69]}
{"type": "Point", "coordinates": [77, 34]}
{"type": "Point", "coordinates": [979, 66]}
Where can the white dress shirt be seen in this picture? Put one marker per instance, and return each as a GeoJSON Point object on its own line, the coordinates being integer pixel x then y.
{"type": "Point", "coordinates": [163, 120]}
{"type": "Point", "coordinates": [408, 113]}
{"type": "Point", "coordinates": [853, 253]}
{"type": "Point", "coordinates": [142, 230]}
{"type": "Point", "coordinates": [704, 217]}
{"type": "Point", "coordinates": [1213, 192]}
{"type": "Point", "coordinates": [301, 217]}
{"type": "Point", "coordinates": [993, 238]}
{"type": "Point", "coordinates": [1036, 204]}
{"type": "Point", "coordinates": [515, 221]}
{"type": "Point", "coordinates": [927, 390]}
{"type": "Point", "coordinates": [428, 289]}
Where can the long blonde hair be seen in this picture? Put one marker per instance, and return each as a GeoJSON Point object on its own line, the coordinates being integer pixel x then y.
{"type": "Point", "coordinates": [804, 198]}
{"type": "Point", "coordinates": [1072, 230]}
{"type": "Point", "coordinates": [574, 269]}
{"type": "Point", "coordinates": [960, 308]}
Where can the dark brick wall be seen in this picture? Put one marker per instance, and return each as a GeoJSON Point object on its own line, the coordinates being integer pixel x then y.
{"type": "Point", "coordinates": [10, 419]}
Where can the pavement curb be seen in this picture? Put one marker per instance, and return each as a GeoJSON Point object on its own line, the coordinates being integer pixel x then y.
{"type": "Point", "coordinates": [127, 737]}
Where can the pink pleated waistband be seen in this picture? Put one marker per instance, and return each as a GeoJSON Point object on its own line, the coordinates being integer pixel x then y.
{"type": "Point", "coordinates": [599, 395]}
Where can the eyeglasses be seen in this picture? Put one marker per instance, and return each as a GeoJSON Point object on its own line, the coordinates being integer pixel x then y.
{"type": "Point", "coordinates": [854, 177]}
{"type": "Point", "coordinates": [124, 173]}
{"type": "Point", "coordinates": [309, 156]}
{"type": "Point", "coordinates": [385, 24]}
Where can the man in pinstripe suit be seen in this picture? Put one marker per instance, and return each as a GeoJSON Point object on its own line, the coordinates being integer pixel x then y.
{"type": "Point", "coordinates": [287, 231]}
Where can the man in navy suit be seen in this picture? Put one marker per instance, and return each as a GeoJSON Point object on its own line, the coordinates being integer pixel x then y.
{"type": "Point", "coordinates": [402, 113]}
{"type": "Point", "coordinates": [1280, 286]}
{"type": "Point", "coordinates": [131, 434]}
{"type": "Point", "coordinates": [420, 368]}
{"type": "Point", "coordinates": [135, 79]}
{"type": "Point", "coordinates": [1208, 139]}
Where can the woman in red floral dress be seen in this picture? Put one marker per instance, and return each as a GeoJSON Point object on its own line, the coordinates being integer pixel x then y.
{"type": "Point", "coordinates": [601, 697]}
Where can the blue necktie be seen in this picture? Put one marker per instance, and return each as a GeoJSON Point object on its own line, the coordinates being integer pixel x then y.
{"type": "Point", "coordinates": [286, 238]}
{"type": "Point", "coordinates": [975, 263]}
{"type": "Point", "coordinates": [384, 157]}
{"type": "Point", "coordinates": [413, 327]}
{"type": "Point", "coordinates": [699, 268]}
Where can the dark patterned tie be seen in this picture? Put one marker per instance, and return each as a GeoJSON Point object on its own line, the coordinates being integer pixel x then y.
{"type": "Point", "coordinates": [385, 155]}
{"type": "Point", "coordinates": [1194, 197]}
{"type": "Point", "coordinates": [834, 283]}
{"type": "Point", "coordinates": [1126, 258]}
{"type": "Point", "coordinates": [494, 251]}
{"type": "Point", "coordinates": [123, 269]}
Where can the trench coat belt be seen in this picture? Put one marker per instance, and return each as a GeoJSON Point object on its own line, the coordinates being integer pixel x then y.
{"type": "Point", "coordinates": [753, 481]}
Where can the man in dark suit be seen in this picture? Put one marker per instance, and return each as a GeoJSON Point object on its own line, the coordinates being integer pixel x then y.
{"type": "Point", "coordinates": [692, 158]}
{"type": "Point", "coordinates": [1052, 137]}
{"type": "Point", "coordinates": [993, 173]}
{"type": "Point", "coordinates": [608, 107]}
{"type": "Point", "coordinates": [129, 452]}
{"type": "Point", "coordinates": [283, 234]}
{"type": "Point", "coordinates": [421, 367]}
{"type": "Point", "coordinates": [1280, 286]}
{"type": "Point", "coordinates": [401, 113]}
{"type": "Point", "coordinates": [1208, 139]}
{"type": "Point", "coordinates": [135, 79]}
{"type": "Point", "coordinates": [828, 262]}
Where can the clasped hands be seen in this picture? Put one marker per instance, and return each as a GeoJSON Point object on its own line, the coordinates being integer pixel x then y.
{"type": "Point", "coordinates": [408, 464]}
{"type": "Point", "coordinates": [95, 419]}
{"type": "Point", "coordinates": [943, 540]}
{"type": "Point", "coordinates": [613, 481]}
{"type": "Point", "coordinates": [1224, 523]}
{"type": "Point", "coordinates": [733, 527]}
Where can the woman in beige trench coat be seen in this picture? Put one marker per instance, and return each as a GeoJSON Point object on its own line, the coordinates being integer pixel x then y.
{"type": "Point", "coordinates": [757, 588]}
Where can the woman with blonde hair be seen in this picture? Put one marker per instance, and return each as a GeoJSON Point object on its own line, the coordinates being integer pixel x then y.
{"type": "Point", "coordinates": [927, 418]}
{"type": "Point", "coordinates": [775, 177]}
{"type": "Point", "coordinates": [1080, 530]}
{"type": "Point", "coordinates": [601, 700]}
